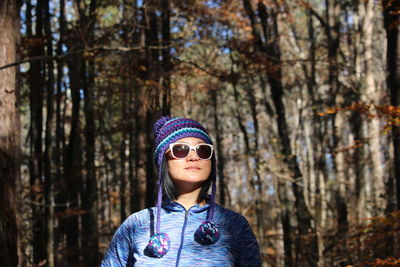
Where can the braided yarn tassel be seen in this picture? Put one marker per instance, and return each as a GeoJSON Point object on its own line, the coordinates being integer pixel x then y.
{"type": "Point", "coordinates": [159, 243]}
{"type": "Point", "coordinates": [208, 233]}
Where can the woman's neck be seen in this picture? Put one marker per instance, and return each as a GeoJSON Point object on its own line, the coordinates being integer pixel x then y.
{"type": "Point", "coordinates": [189, 199]}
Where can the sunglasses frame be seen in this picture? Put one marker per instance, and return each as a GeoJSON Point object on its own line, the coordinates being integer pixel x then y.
{"type": "Point", "coordinates": [190, 149]}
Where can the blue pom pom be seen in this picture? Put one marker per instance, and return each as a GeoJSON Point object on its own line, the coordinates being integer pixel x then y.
{"type": "Point", "coordinates": [158, 246]}
{"type": "Point", "coordinates": [159, 124]}
{"type": "Point", "coordinates": [207, 233]}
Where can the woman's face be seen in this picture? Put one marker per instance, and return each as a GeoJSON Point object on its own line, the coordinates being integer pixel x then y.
{"type": "Point", "coordinates": [191, 172]}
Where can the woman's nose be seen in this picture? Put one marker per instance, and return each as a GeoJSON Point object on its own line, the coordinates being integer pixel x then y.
{"type": "Point", "coordinates": [192, 155]}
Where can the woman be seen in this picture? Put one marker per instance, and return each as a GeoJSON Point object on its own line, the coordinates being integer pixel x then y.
{"type": "Point", "coordinates": [186, 227]}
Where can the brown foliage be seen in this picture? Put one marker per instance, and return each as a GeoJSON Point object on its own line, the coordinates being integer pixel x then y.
{"type": "Point", "coordinates": [71, 213]}
{"type": "Point", "coordinates": [386, 262]}
{"type": "Point", "coordinates": [374, 238]}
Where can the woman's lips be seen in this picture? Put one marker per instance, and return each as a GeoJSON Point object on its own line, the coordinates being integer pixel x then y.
{"type": "Point", "coordinates": [192, 168]}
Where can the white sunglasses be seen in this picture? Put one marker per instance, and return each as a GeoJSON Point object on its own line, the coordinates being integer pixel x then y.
{"type": "Point", "coordinates": [182, 150]}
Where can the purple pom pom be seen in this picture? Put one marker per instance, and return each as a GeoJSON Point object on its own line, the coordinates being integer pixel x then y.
{"type": "Point", "coordinates": [207, 233]}
{"type": "Point", "coordinates": [158, 245]}
{"type": "Point", "coordinates": [159, 124]}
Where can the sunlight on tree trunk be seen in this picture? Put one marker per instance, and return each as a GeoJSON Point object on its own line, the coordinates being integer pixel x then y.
{"type": "Point", "coordinates": [9, 135]}
{"type": "Point", "coordinates": [372, 95]}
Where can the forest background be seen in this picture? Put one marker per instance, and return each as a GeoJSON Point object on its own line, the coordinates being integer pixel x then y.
{"type": "Point", "coordinates": [301, 97]}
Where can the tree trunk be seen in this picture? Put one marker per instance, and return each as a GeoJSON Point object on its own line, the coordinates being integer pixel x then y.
{"type": "Point", "coordinates": [139, 187]}
{"type": "Point", "coordinates": [246, 139]}
{"type": "Point", "coordinates": [391, 18]}
{"type": "Point", "coordinates": [219, 147]}
{"type": "Point", "coordinates": [36, 84]}
{"type": "Point", "coordinates": [341, 171]}
{"type": "Point", "coordinates": [372, 96]}
{"type": "Point", "coordinates": [133, 152]}
{"type": "Point", "coordinates": [166, 57]}
{"type": "Point", "coordinates": [358, 201]}
{"type": "Point", "coordinates": [134, 124]}
{"type": "Point", "coordinates": [58, 181]}
{"type": "Point", "coordinates": [48, 153]}
{"type": "Point", "coordinates": [150, 174]}
{"type": "Point", "coordinates": [256, 155]}
{"type": "Point", "coordinates": [356, 197]}
{"type": "Point", "coordinates": [73, 157]}
{"type": "Point", "coordinates": [89, 200]}
{"type": "Point", "coordinates": [122, 153]}
{"type": "Point", "coordinates": [336, 122]}
{"type": "Point", "coordinates": [153, 75]}
{"type": "Point", "coordinates": [60, 139]}
{"type": "Point", "coordinates": [10, 135]}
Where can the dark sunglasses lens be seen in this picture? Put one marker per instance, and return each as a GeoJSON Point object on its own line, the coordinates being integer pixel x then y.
{"type": "Point", "coordinates": [180, 150]}
{"type": "Point", "coordinates": [203, 151]}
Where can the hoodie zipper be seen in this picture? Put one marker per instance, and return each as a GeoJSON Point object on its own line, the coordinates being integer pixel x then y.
{"type": "Point", "coordinates": [182, 238]}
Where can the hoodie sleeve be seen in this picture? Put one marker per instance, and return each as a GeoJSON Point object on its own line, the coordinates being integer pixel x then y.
{"type": "Point", "coordinates": [119, 253]}
{"type": "Point", "coordinates": [248, 252]}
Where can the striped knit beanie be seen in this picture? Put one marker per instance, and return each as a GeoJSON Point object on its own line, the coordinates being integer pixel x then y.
{"type": "Point", "coordinates": [167, 131]}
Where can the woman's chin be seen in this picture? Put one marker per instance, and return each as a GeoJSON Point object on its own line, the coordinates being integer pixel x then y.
{"type": "Point", "coordinates": [193, 179]}
{"type": "Point", "coordinates": [191, 183]}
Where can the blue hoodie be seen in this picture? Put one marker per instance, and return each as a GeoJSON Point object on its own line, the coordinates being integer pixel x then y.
{"type": "Point", "coordinates": [237, 245]}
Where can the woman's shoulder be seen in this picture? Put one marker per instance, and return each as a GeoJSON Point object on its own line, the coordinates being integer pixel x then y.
{"type": "Point", "coordinates": [229, 216]}
{"type": "Point", "coordinates": [138, 218]}
{"type": "Point", "coordinates": [234, 222]}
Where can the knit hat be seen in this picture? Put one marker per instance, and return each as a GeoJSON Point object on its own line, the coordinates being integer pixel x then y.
{"type": "Point", "coordinates": [167, 131]}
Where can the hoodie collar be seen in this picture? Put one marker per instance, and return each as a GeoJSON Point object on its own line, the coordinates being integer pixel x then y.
{"type": "Point", "coordinates": [175, 206]}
